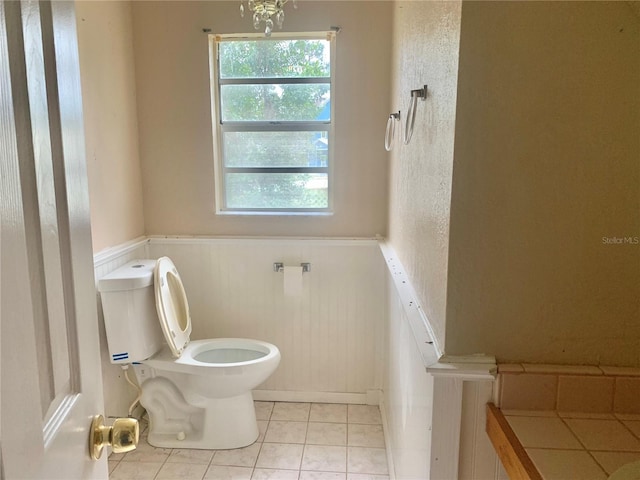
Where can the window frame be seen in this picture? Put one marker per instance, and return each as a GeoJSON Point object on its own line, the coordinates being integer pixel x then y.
{"type": "Point", "coordinates": [219, 128]}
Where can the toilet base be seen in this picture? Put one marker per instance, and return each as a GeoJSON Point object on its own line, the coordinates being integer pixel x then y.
{"type": "Point", "coordinates": [223, 423]}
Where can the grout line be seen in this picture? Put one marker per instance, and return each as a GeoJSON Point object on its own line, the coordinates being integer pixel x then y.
{"type": "Point", "coordinates": [255, 463]}
{"type": "Point", "coordinates": [589, 452]}
{"type": "Point", "coordinates": [206, 470]}
{"type": "Point", "coordinates": [163, 464]}
{"type": "Point", "coordinates": [598, 463]}
{"type": "Point", "coordinates": [628, 428]}
{"type": "Point", "coordinates": [572, 432]}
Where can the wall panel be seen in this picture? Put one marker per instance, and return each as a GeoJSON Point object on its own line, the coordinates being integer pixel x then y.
{"type": "Point", "coordinates": [408, 395]}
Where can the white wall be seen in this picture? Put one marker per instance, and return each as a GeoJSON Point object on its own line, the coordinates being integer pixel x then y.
{"type": "Point", "coordinates": [174, 107]}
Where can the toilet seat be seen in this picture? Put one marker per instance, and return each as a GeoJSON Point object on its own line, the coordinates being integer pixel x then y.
{"type": "Point", "coordinates": [172, 306]}
{"type": "Point", "coordinates": [195, 357]}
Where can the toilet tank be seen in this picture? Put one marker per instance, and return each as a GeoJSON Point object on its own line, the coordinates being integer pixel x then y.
{"type": "Point", "coordinates": [130, 317]}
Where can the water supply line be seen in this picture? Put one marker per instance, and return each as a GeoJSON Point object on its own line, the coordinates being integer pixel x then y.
{"type": "Point", "coordinates": [420, 93]}
{"type": "Point", "coordinates": [137, 387]}
{"type": "Point", "coordinates": [390, 134]}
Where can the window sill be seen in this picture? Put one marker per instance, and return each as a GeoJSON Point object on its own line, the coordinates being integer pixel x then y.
{"type": "Point", "coordinates": [274, 214]}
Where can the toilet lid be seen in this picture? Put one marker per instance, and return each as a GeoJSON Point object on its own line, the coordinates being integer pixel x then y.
{"type": "Point", "coordinates": [172, 305]}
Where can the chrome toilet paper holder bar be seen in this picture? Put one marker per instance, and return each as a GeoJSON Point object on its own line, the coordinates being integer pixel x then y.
{"type": "Point", "coordinates": [279, 267]}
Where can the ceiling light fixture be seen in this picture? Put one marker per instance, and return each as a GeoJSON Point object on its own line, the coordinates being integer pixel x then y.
{"type": "Point", "coordinates": [263, 10]}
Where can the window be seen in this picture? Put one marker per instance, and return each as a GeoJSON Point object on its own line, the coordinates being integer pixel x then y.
{"type": "Point", "coordinates": [273, 122]}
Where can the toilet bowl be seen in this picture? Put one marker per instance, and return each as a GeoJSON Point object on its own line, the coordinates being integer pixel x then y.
{"type": "Point", "coordinates": [197, 393]}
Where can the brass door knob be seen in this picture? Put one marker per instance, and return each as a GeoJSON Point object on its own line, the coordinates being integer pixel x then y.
{"type": "Point", "coordinates": [122, 436]}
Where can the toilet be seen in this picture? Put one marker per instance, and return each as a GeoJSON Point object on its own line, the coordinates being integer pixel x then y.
{"type": "Point", "coordinates": [197, 393]}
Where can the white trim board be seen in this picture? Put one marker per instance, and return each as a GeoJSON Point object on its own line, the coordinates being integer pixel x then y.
{"type": "Point", "coordinates": [420, 325]}
{"type": "Point", "coordinates": [224, 240]}
{"type": "Point", "coordinates": [437, 363]}
{"type": "Point", "coordinates": [109, 254]}
{"type": "Point", "coordinates": [387, 440]}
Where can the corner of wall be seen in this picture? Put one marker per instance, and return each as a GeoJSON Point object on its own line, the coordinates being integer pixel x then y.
{"type": "Point", "coordinates": [105, 44]}
{"type": "Point", "coordinates": [425, 50]}
{"type": "Point", "coordinates": [544, 199]}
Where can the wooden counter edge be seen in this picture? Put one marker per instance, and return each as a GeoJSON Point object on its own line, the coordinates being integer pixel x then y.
{"type": "Point", "coordinates": [512, 454]}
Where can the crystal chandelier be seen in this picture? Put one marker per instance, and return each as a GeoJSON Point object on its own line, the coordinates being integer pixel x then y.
{"type": "Point", "coordinates": [263, 10]}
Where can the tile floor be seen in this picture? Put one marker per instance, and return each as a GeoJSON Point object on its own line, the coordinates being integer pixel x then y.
{"type": "Point", "coordinates": [588, 446]}
{"type": "Point", "coordinates": [298, 441]}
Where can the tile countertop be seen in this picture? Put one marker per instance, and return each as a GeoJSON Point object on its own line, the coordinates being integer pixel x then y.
{"type": "Point", "coordinates": [568, 446]}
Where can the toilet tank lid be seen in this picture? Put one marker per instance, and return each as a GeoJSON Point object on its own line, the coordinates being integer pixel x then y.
{"type": "Point", "coordinates": [133, 275]}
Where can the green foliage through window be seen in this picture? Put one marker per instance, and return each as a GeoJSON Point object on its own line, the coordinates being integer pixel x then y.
{"type": "Point", "coordinates": [274, 114]}
{"type": "Point", "coordinates": [262, 58]}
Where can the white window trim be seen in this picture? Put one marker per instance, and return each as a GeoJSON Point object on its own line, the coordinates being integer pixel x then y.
{"type": "Point", "coordinates": [220, 208]}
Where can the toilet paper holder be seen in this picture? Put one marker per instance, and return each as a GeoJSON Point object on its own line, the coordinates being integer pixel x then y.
{"type": "Point", "coordinates": [279, 267]}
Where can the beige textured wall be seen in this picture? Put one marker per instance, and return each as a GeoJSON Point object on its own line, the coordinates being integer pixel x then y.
{"type": "Point", "coordinates": [110, 121]}
{"type": "Point", "coordinates": [425, 51]}
{"type": "Point", "coordinates": [547, 163]}
{"type": "Point", "coordinates": [172, 72]}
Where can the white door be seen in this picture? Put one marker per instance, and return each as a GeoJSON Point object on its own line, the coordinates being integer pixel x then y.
{"type": "Point", "coordinates": [51, 381]}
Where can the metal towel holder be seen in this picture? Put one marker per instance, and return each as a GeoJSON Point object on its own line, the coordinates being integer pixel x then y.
{"type": "Point", "coordinates": [420, 93]}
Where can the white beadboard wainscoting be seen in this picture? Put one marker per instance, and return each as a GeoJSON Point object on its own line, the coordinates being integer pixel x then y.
{"type": "Point", "coordinates": [407, 404]}
{"type": "Point", "coordinates": [433, 406]}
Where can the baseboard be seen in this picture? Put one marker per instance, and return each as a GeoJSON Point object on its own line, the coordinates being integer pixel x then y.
{"type": "Point", "coordinates": [311, 397]}
{"type": "Point", "coordinates": [387, 439]}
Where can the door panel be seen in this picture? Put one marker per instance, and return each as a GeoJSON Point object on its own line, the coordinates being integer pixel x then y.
{"type": "Point", "coordinates": [51, 381]}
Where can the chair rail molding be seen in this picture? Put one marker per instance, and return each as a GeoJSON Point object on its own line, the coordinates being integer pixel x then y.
{"type": "Point", "coordinates": [456, 383]}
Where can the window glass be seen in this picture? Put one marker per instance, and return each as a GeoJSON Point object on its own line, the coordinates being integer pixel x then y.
{"type": "Point", "coordinates": [276, 190]}
{"type": "Point", "coordinates": [262, 58]}
{"type": "Point", "coordinates": [275, 102]}
{"type": "Point", "coordinates": [273, 123]}
{"type": "Point", "coordinates": [275, 149]}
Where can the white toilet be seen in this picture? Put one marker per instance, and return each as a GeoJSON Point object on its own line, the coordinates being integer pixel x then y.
{"type": "Point", "coordinates": [197, 394]}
